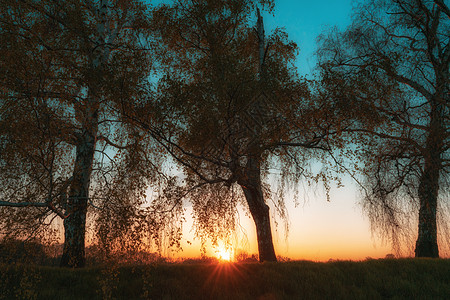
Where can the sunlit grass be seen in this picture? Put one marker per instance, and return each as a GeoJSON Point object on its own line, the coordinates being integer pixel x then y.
{"type": "Point", "coordinates": [373, 279]}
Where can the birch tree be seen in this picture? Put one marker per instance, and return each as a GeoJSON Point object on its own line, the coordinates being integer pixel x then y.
{"type": "Point", "coordinates": [389, 73]}
{"type": "Point", "coordinates": [70, 69]}
{"type": "Point", "coordinates": [238, 108]}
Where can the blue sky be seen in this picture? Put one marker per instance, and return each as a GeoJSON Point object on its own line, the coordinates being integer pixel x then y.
{"type": "Point", "coordinates": [304, 20]}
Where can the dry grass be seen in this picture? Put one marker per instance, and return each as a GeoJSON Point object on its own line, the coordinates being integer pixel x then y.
{"type": "Point", "coordinates": [373, 279]}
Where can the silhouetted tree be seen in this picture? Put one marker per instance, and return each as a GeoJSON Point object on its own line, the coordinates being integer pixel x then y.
{"type": "Point", "coordinates": [68, 70]}
{"type": "Point", "coordinates": [388, 74]}
{"type": "Point", "coordinates": [237, 108]}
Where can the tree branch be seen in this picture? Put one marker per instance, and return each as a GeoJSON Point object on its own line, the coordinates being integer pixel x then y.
{"type": "Point", "coordinates": [443, 7]}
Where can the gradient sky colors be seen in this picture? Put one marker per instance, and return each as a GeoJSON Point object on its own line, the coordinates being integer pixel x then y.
{"type": "Point", "coordinates": [319, 230]}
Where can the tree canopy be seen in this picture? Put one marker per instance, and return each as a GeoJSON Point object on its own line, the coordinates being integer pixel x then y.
{"type": "Point", "coordinates": [97, 97]}
{"type": "Point", "coordinates": [238, 109]}
{"type": "Point", "coordinates": [70, 70]}
{"type": "Point", "coordinates": [390, 70]}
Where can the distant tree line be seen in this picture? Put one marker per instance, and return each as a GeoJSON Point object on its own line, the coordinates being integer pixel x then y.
{"type": "Point", "coordinates": [100, 100]}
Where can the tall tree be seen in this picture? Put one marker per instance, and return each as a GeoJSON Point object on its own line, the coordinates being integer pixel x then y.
{"type": "Point", "coordinates": [70, 68]}
{"type": "Point", "coordinates": [389, 73]}
{"type": "Point", "coordinates": [237, 106]}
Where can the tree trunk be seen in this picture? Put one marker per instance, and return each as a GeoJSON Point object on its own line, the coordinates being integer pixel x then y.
{"type": "Point", "coordinates": [251, 185]}
{"type": "Point", "coordinates": [426, 245]}
{"type": "Point", "coordinates": [75, 223]}
{"type": "Point", "coordinates": [250, 175]}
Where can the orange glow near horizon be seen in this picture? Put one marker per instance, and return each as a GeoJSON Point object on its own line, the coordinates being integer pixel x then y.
{"type": "Point", "coordinates": [223, 254]}
{"type": "Point", "coordinates": [319, 230]}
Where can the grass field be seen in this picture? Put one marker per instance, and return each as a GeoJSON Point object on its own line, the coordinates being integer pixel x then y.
{"type": "Point", "coordinates": [372, 279]}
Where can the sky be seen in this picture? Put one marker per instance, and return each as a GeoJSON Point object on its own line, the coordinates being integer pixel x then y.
{"type": "Point", "coordinates": [304, 21]}
{"type": "Point", "coordinates": [319, 230]}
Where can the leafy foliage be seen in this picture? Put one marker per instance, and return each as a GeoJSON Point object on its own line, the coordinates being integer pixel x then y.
{"type": "Point", "coordinates": [71, 70]}
{"type": "Point", "coordinates": [388, 74]}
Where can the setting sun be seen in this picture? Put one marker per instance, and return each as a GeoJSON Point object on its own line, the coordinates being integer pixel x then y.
{"type": "Point", "coordinates": [223, 254]}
